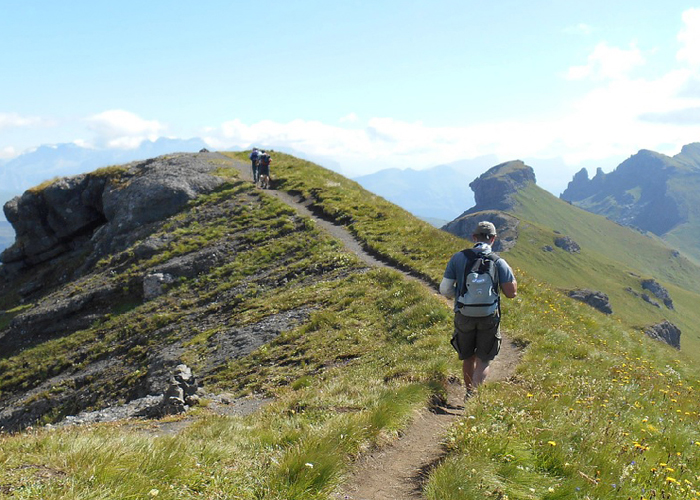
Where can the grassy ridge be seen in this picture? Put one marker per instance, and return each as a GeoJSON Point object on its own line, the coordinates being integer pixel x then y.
{"type": "Point", "coordinates": [383, 227]}
{"type": "Point", "coordinates": [610, 261]}
{"type": "Point", "coordinates": [596, 410]}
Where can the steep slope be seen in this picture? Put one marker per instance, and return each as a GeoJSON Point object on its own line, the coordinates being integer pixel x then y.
{"type": "Point", "coordinates": [604, 262]}
{"type": "Point", "coordinates": [649, 191]}
{"type": "Point", "coordinates": [365, 350]}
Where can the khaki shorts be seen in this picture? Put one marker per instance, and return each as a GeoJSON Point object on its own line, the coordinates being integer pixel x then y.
{"type": "Point", "coordinates": [480, 336]}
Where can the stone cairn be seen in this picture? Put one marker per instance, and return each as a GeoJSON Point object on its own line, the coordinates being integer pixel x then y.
{"type": "Point", "coordinates": [181, 393]}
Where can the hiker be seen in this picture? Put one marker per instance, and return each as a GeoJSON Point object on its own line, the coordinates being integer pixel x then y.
{"type": "Point", "coordinates": [477, 336]}
{"type": "Point", "coordinates": [264, 161]}
{"type": "Point", "coordinates": [254, 156]}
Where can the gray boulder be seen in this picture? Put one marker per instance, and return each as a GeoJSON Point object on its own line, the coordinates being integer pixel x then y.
{"type": "Point", "coordinates": [103, 211]}
{"type": "Point", "coordinates": [659, 292]}
{"type": "Point", "coordinates": [567, 244]}
{"type": "Point", "coordinates": [597, 300]}
{"type": "Point", "coordinates": [665, 332]}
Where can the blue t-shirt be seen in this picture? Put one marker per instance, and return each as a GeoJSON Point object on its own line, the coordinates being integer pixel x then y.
{"type": "Point", "coordinates": [455, 267]}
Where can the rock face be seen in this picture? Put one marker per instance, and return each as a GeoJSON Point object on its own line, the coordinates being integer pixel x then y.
{"type": "Point", "coordinates": [111, 329]}
{"type": "Point", "coordinates": [48, 222]}
{"type": "Point", "coordinates": [567, 244]}
{"type": "Point", "coordinates": [493, 190]}
{"type": "Point", "coordinates": [597, 300]}
{"type": "Point", "coordinates": [659, 292]}
{"type": "Point", "coordinates": [637, 193]}
{"type": "Point", "coordinates": [493, 194]}
{"type": "Point", "coordinates": [666, 332]}
{"type": "Point", "coordinates": [103, 211]}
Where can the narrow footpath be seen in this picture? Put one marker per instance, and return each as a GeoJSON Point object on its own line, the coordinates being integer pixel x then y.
{"type": "Point", "coordinates": [397, 471]}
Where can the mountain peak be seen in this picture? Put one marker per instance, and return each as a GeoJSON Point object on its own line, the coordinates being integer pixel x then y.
{"type": "Point", "coordinates": [493, 189]}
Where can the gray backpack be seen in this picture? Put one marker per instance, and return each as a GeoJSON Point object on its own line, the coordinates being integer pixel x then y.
{"type": "Point", "coordinates": [478, 296]}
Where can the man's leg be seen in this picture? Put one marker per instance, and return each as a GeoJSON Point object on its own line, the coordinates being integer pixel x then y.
{"type": "Point", "coordinates": [475, 371]}
{"type": "Point", "coordinates": [481, 371]}
{"type": "Point", "coordinates": [468, 367]}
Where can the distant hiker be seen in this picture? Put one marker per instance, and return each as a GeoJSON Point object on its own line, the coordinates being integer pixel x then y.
{"type": "Point", "coordinates": [264, 161]}
{"type": "Point", "coordinates": [474, 277]}
{"type": "Point", "coordinates": [254, 157]}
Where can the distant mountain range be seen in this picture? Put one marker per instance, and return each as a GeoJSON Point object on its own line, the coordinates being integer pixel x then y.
{"type": "Point", "coordinates": [648, 191]}
{"type": "Point", "coordinates": [584, 253]}
{"type": "Point", "coordinates": [60, 160]}
{"type": "Point", "coordinates": [441, 192]}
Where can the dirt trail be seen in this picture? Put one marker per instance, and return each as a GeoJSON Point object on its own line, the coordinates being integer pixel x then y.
{"type": "Point", "coordinates": [397, 471]}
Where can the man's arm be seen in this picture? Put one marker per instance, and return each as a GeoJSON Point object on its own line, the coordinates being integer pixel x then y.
{"type": "Point", "coordinates": [510, 289]}
{"type": "Point", "coordinates": [447, 288]}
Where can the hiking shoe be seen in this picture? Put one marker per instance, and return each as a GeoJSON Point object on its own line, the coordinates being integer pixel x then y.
{"type": "Point", "coordinates": [469, 394]}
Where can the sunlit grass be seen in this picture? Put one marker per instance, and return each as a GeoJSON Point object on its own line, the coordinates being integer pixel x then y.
{"type": "Point", "coordinates": [595, 409]}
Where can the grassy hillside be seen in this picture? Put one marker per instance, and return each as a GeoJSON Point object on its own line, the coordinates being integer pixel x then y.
{"type": "Point", "coordinates": [596, 410]}
{"type": "Point", "coordinates": [685, 187]}
{"type": "Point", "coordinates": [612, 259]}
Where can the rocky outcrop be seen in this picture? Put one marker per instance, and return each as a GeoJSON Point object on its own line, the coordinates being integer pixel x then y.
{"type": "Point", "coordinates": [597, 300]}
{"type": "Point", "coordinates": [494, 189]}
{"type": "Point", "coordinates": [493, 194]}
{"type": "Point", "coordinates": [635, 194]}
{"type": "Point", "coordinates": [51, 221]}
{"type": "Point", "coordinates": [659, 292]}
{"type": "Point", "coordinates": [103, 211]}
{"type": "Point", "coordinates": [665, 332]}
{"type": "Point", "coordinates": [156, 284]}
{"type": "Point", "coordinates": [567, 244]}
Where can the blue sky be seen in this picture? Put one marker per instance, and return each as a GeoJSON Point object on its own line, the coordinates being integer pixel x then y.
{"type": "Point", "coordinates": [369, 85]}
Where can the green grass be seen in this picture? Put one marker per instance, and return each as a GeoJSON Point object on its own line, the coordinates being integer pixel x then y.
{"type": "Point", "coordinates": [381, 226]}
{"type": "Point", "coordinates": [612, 259]}
{"type": "Point", "coordinates": [362, 381]}
{"type": "Point", "coordinates": [595, 409]}
{"type": "Point", "coordinates": [598, 412]}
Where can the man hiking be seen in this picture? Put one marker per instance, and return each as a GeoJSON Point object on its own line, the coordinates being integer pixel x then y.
{"type": "Point", "coordinates": [264, 161]}
{"type": "Point", "coordinates": [474, 277]}
{"type": "Point", "coordinates": [254, 156]}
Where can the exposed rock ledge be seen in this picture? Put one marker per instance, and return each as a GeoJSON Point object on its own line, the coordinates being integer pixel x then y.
{"type": "Point", "coordinates": [493, 190]}
{"type": "Point", "coordinates": [665, 332]}
{"type": "Point", "coordinates": [597, 300]}
{"type": "Point", "coordinates": [108, 208]}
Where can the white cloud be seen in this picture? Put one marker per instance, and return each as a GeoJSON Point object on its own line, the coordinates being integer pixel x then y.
{"type": "Point", "coordinates": [121, 129]}
{"type": "Point", "coordinates": [689, 37]}
{"type": "Point", "coordinates": [349, 118]}
{"type": "Point", "coordinates": [7, 153]}
{"type": "Point", "coordinates": [13, 120]}
{"type": "Point", "coordinates": [607, 62]}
